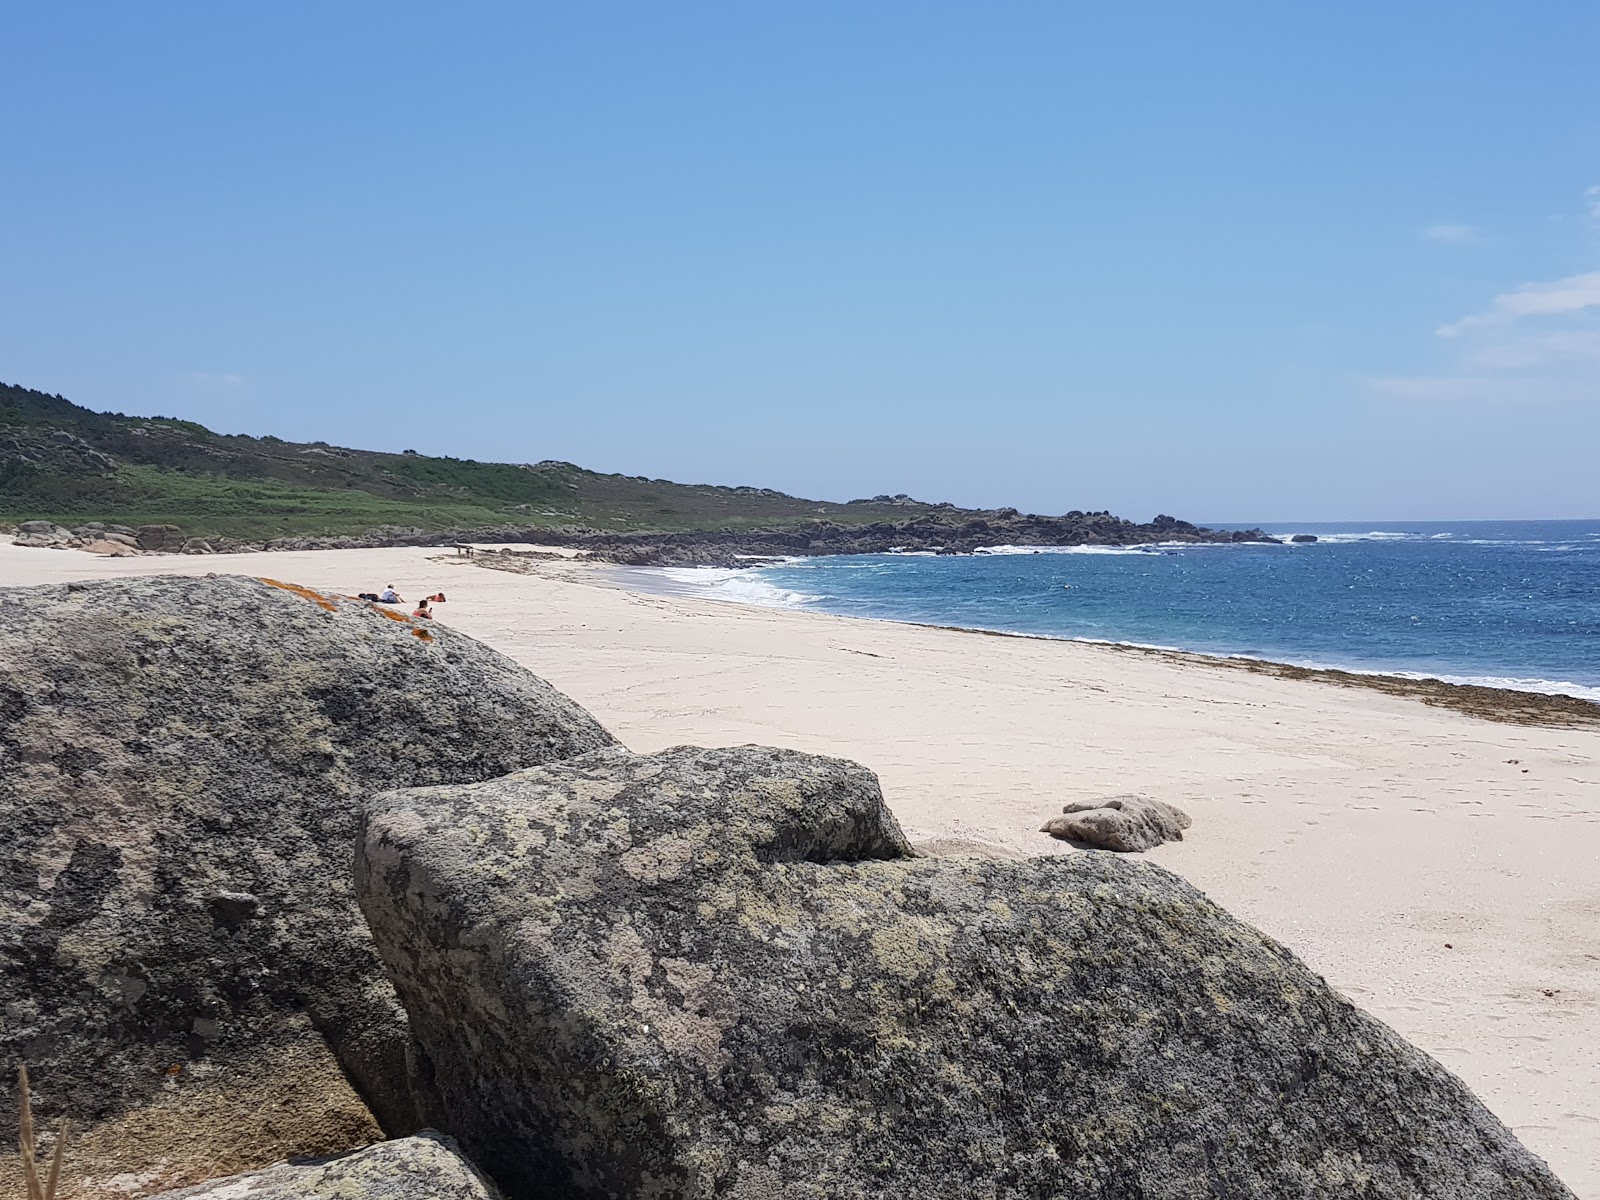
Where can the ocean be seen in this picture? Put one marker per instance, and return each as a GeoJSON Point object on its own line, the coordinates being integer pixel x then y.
{"type": "Point", "coordinates": [1501, 603]}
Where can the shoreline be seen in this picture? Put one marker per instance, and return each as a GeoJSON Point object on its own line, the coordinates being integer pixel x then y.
{"type": "Point", "coordinates": [1490, 702]}
{"type": "Point", "coordinates": [1510, 705]}
{"type": "Point", "coordinates": [1502, 702]}
{"type": "Point", "coordinates": [1514, 706]}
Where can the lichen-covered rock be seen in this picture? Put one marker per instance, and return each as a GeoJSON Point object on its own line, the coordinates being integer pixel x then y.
{"type": "Point", "coordinates": [182, 963]}
{"type": "Point", "coordinates": [1129, 824]}
{"type": "Point", "coordinates": [717, 973]}
{"type": "Point", "coordinates": [425, 1167]}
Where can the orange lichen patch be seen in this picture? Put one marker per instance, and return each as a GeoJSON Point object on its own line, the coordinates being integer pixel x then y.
{"type": "Point", "coordinates": [422, 635]}
{"type": "Point", "coordinates": [393, 616]}
{"type": "Point", "coordinates": [304, 593]}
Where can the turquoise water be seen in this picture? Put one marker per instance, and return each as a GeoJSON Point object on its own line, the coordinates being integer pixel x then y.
{"type": "Point", "coordinates": [1514, 603]}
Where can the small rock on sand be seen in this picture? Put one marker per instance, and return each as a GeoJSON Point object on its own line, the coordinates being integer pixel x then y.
{"type": "Point", "coordinates": [1131, 824]}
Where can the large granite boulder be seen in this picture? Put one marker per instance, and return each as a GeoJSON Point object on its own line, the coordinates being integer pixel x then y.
{"type": "Point", "coordinates": [425, 1167]}
{"type": "Point", "coordinates": [182, 963]}
{"type": "Point", "coordinates": [720, 973]}
{"type": "Point", "coordinates": [160, 538]}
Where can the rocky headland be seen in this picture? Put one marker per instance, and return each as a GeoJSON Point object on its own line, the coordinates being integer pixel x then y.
{"type": "Point", "coordinates": [124, 484]}
{"type": "Point", "coordinates": [959, 532]}
{"type": "Point", "coordinates": [287, 873]}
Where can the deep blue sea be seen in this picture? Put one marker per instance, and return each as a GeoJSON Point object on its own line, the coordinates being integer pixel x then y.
{"type": "Point", "coordinates": [1509, 603]}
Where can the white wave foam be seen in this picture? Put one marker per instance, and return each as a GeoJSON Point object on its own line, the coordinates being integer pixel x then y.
{"type": "Point", "coordinates": [1372, 535]}
{"type": "Point", "coordinates": [1547, 687]}
{"type": "Point", "coordinates": [1005, 550]}
{"type": "Point", "coordinates": [732, 585]}
{"type": "Point", "coordinates": [1513, 683]}
{"type": "Point", "coordinates": [1455, 539]}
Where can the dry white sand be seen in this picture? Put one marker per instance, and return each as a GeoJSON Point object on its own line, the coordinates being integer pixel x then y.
{"type": "Point", "coordinates": [1397, 848]}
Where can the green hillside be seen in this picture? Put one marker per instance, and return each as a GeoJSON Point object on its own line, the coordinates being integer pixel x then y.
{"type": "Point", "coordinates": [67, 464]}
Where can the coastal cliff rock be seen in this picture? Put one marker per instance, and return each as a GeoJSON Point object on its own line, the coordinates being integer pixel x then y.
{"type": "Point", "coordinates": [947, 532]}
{"type": "Point", "coordinates": [720, 973]}
{"type": "Point", "coordinates": [952, 533]}
{"type": "Point", "coordinates": [184, 967]}
{"type": "Point", "coordinates": [1129, 824]}
{"type": "Point", "coordinates": [426, 1167]}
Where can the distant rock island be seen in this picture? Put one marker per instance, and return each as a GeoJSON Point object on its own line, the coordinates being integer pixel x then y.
{"type": "Point", "coordinates": [115, 484]}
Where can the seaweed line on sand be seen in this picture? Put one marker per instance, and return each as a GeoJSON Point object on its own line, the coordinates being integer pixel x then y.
{"type": "Point", "coordinates": [1510, 706]}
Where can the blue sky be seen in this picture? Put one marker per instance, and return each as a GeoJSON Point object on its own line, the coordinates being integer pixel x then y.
{"type": "Point", "coordinates": [1231, 261]}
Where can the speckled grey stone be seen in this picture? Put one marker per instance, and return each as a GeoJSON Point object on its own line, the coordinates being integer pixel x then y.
{"type": "Point", "coordinates": [1129, 824]}
{"type": "Point", "coordinates": [717, 973]}
{"type": "Point", "coordinates": [425, 1167]}
{"type": "Point", "coordinates": [181, 763]}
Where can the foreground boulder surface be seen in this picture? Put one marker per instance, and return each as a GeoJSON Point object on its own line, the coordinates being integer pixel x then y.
{"type": "Point", "coordinates": [425, 1167]}
{"type": "Point", "coordinates": [719, 973]}
{"type": "Point", "coordinates": [184, 967]}
{"type": "Point", "coordinates": [1127, 824]}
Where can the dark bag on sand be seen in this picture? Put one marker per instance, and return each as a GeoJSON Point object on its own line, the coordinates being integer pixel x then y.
{"type": "Point", "coordinates": [373, 596]}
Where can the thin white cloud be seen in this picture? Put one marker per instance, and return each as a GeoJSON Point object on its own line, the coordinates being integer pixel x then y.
{"type": "Point", "coordinates": [1522, 388]}
{"type": "Point", "coordinates": [213, 380]}
{"type": "Point", "coordinates": [1452, 388]}
{"type": "Point", "coordinates": [1558, 297]}
{"type": "Point", "coordinates": [1537, 343]}
{"type": "Point", "coordinates": [1450, 233]}
{"type": "Point", "coordinates": [1539, 350]}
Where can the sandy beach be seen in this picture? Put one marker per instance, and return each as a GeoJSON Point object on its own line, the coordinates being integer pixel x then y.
{"type": "Point", "coordinates": [1440, 869]}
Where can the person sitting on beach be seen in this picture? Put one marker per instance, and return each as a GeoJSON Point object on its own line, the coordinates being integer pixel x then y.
{"type": "Point", "coordinates": [422, 609]}
{"type": "Point", "coordinates": [390, 596]}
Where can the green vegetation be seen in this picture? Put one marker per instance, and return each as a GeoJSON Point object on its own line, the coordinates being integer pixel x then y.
{"type": "Point", "coordinates": [64, 463]}
{"type": "Point", "coordinates": [214, 504]}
